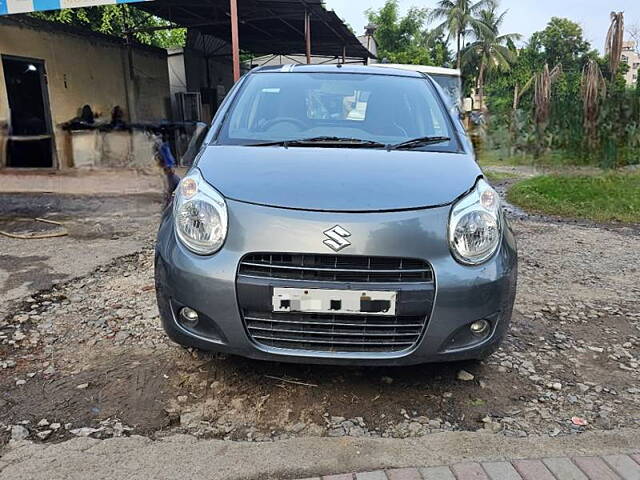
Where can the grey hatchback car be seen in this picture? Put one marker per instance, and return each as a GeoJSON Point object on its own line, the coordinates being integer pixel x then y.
{"type": "Point", "coordinates": [336, 214]}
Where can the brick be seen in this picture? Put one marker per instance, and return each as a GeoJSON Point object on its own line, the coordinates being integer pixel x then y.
{"type": "Point", "coordinates": [564, 469]}
{"type": "Point", "coordinates": [501, 471]}
{"type": "Point", "coordinates": [437, 473]}
{"type": "Point", "coordinates": [377, 475]}
{"type": "Point", "coordinates": [404, 474]}
{"type": "Point", "coordinates": [469, 471]}
{"type": "Point", "coordinates": [595, 468]}
{"type": "Point", "coordinates": [346, 476]}
{"type": "Point", "coordinates": [624, 466]}
{"type": "Point", "coordinates": [533, 470]}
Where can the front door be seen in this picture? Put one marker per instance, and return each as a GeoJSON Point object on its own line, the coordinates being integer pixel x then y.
{"type": "Point", "coordinates": [30, 135]}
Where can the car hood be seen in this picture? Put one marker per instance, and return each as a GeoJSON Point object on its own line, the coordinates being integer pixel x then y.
{"type": "Point", "coordinates": [338, 179]}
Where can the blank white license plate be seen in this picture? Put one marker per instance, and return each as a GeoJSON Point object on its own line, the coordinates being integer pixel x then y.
{"type": "Point", "coordinates": [351, 302]}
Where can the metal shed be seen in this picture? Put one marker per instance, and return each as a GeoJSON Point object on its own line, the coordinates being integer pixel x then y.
{"type": "Point", "coordinates": [265, 26]}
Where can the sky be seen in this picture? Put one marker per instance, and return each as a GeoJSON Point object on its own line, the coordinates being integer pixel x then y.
{"type": "Point", "coordinates": [524, 16]}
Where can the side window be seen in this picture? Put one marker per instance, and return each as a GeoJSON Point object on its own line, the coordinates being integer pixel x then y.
{"type": "Point", "coordinates": [195, 144]}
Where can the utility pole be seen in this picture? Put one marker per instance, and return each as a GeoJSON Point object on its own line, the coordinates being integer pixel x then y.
{"type": "Point", "coordinates": [235, 42]}
{"type": "Point", "coordinates": [307, 34]}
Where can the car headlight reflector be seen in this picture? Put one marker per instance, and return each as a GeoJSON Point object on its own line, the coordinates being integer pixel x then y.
{"type": "Point", "coordinates": [475, 225]}
{"type": "Point", "coordinates": [200, 215]}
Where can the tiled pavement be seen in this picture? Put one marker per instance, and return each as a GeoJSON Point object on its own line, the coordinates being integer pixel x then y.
{"type": "Point", "coordinates": [609, 467]}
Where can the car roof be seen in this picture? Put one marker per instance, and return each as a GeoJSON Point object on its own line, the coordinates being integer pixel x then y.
{"type": "Point", "coordinates": [431, 70]}
{"type": "Point", "coordinates": [339, 68]}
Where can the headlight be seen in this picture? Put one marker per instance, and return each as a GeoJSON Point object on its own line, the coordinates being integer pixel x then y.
{"type": "Point", "coordinates": [200, 215]}
{"type": "Point", "coordinates": [475, 225]}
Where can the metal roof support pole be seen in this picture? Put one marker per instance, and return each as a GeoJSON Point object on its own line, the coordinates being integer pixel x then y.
{"type": "Point", "coordinates": [235, 42]}
{"type": "Point", "coordinates": [307, 34]}
{"type": "Point", "coordinates": [344, 54]}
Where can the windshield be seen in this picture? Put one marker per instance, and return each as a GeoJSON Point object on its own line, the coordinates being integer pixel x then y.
{"type": "Point", "coordinates": [275, 107]}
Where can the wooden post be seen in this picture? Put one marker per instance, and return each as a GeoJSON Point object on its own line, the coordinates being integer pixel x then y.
{"type": "Point", "coordinates": [235, 42]}
{"type": "Point", "coordinates": [307, 35]}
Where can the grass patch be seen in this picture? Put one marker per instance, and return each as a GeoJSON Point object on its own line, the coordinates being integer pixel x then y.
{"type": "Point", "coordinates": [603, 198]}
{"type": "Point", "coordinates": [488, 158]}
{"type": "Point", "coordinates": [495, 176]}
{"type": "Point", "coordinates": [495, 158]}
{"type": "Point", "coordinates": [501, 157]}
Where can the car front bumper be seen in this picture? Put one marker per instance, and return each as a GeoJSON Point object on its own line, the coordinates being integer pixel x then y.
{"type": "Point", "coordinates": [459, 294]}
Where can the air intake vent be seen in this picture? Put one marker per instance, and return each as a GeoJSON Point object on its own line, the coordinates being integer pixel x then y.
{"type": "Point", "coordinates": [334, 333]}
{"type": "Point", "coordinates": [336, 268]}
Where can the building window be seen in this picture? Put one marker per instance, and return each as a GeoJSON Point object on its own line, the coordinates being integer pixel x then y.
{"type": "Point", "coordinates": [625, 59]}
{"type": "Point", "coordinates": [636, 65]}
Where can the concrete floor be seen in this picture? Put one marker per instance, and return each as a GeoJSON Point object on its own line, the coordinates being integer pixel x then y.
{"type": "Point", "coordinates": [82, 182]}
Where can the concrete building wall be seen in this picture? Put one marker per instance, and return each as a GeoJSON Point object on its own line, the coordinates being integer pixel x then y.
{"type": "Point", "coordinates": [631, 57]}
{"type": "Point", "coordinates": [177, 77]}
{"type": "Point", "coordinates": [87, 69]}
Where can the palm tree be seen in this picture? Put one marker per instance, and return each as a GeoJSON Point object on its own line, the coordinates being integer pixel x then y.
{"type": "Point", "coordinates": [613, 45]}
{"type": "Point", "coordinates": [457, 17]}
{"type": "Point", "coordinates": [489, 50]}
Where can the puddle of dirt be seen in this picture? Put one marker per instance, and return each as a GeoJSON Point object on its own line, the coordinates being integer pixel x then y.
{"type": "Point", "coordinates": [131, 388]}
{"type": "Point", "coordinates": [33, 271]}
{"type": "Point", "coordinates": [28, 226]}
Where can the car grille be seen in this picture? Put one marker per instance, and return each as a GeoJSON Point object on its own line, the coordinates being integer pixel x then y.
{"type": "Point", "coordinates": [334, 333]}
{"type": "Point", "coordinates": [336, 268]}
{"type": "Point", "coordinates": [327, 332]}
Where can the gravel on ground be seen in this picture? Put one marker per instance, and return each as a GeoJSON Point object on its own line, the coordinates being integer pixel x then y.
{"type": "Point", "coordinates": [86, 357]}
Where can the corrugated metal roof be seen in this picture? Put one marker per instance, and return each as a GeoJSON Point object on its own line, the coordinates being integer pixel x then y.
{"type": "Point", "coordinates": [266, 26]}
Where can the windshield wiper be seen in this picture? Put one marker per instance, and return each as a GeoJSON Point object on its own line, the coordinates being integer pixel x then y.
{"type": "Point", "coordinates": [418, 142]}
{"type": "Point", "coordinates": [339, 141]}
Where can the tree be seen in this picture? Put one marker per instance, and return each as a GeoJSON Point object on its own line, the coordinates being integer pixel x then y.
{"type": "Point", "coordinates": [562, 42]}
{"type": "Point", "coordinates": [438, 47]}
{"type": "Point", "coordinates": [118, 20]}
{"type": "Point", "coordinates": [594, 89]}
{"type": "Point", "coordinates": [614, 41]}
{"type": "Point", "coordinates": [490, 51]}
{"type": "Point", "coordinates": [405, 39]}
{"type": "Point", "coordinates": [458, 16]}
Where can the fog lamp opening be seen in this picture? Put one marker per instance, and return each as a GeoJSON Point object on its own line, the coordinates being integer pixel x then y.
{"type": "Point", "coordinates": [189, 316]}
{"type": "Point", "coordinates": [480, 328]}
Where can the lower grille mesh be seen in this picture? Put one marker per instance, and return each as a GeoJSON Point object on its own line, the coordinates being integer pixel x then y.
{"type": "Point", "coordinates": [334, 333]}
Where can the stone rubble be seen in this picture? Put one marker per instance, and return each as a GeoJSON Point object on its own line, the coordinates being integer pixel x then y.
{"type": "Point", "coordinates": [574, 355]}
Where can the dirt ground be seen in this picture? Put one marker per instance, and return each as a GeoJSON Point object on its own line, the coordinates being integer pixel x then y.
{"type": "Point", "coordinates": [87, 356]}
{"type": "Point", "coordinates": [100, 228]}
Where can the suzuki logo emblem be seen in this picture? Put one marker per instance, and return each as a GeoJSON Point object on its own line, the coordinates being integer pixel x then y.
{"type": "Point", "coordinates": [337, 238]}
